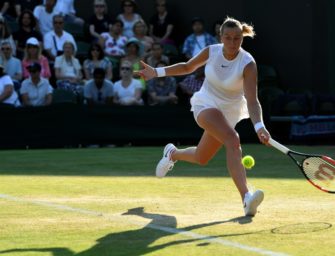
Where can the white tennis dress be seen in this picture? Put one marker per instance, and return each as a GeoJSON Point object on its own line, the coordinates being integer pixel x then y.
{"type": "Point", "coordinates": [223, 86]}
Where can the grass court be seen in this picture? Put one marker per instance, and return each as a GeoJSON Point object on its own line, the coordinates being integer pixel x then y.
{"type": "Point", "coordinates": [101, 202]}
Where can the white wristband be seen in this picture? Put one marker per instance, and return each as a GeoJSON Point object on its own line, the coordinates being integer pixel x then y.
{"type": "Point", "coordinates": [160, 72]}
{"type": "Point", "coordinates": [258, 126]}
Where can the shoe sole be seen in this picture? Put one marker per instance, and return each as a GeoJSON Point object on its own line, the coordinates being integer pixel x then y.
{"type": "Point", "coordinates": [259, 197]}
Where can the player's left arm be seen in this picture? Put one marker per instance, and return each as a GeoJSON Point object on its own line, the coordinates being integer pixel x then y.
{"type": "Point", "coordinates": [254, 106]}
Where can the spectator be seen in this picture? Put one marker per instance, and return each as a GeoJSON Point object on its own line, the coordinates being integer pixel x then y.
{"type": "Point", "coordinates": [162, 90]}
{"type": "Point", "coordinates": [21, 5]}
{"type": "Point", "coordinates": [27, 29]}
{"type": "Point", "coordinates": [193, 82]}
{"type": "Point", "coordinates": [161, 24]}
{"type": "Point", "coordinates": [113, 44]}
{"type": "Point", "coordinates": [140, 30]}
{"type": "Point", "coordinates": [134, 50]}
{"type": "Point", "coordinates": [127, 91]}
{"type": "Point", "coordinates": [198, 40]}
{"type": "Point", "coordinates": [128, 17]}
{"type": "Point", "coordinates": [68, 70]}
{"type": "Point", "coordinates": [32, 54]}
{"type": "Point", "coordinates": [35, 90]}
{"type": "Point", "coordinates": [5, 35]}
{"type": "Point", "coordinates": [55, 39]}
{"type": "Point", "coordinates": [66, 9]}
{"type": "Point", "coordinates": [113, 41]}
{"type": "Point", "coordinates": [12, 65]}
{"type": "Point", "coordinates": [8, 10]}
{"type": "Point", "coordinates": [157, 55]}
{"type": "Point", "coordinates": [96, 59]}
{"type": "Point", "coordinates": [8, 95]}
{"type": "Point", "coordinates": [98, 91]}
{"type": "Point", "coordinates": [100, 21]}
{"type": "Point", "coordinates": [44, 16]}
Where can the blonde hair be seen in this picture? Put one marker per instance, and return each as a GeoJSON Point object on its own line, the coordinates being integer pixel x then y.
{"type": "Point", "coordinates": [247, 30]}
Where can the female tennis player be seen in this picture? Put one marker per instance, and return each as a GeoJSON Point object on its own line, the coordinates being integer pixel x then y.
{"type": "Point", "coordinates": [228, 95]}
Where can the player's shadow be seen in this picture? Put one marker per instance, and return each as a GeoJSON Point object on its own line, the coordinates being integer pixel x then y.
{"type": "Point", "coordinates": [135, 242]}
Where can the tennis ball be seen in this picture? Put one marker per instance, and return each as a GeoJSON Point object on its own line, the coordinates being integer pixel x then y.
{"type": "Point", "coordinates": [248, 162]}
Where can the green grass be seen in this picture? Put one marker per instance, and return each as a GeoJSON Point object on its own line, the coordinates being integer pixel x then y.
{"type": "Point", "coordinates": [107, 202]}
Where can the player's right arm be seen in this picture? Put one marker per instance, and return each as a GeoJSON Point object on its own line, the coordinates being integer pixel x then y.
{"type": "Point", "coordinates": [178, 69]}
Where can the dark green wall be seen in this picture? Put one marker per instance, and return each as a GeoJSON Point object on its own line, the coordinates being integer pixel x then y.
{"type": "Point", "coordinates": [293, 36]}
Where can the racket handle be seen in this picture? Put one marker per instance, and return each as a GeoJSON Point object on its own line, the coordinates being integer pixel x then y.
{"type": "Point", "coordinates": [278, 146]}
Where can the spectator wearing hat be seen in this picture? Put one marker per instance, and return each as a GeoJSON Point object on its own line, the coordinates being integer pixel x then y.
{"type": "Point", "coordinates": [134, 53]}
{"type": "Point", "coordinates": [44, 15]}
{"type": "Point", "coordinates": [198, 40]}
{"type": "Point", "coordinates": [8, 95]}
{"type": "Point", "coordinates": [27, 29]}
{"type": "Point", "coordinates": [98, 91]}
{"type": "Point", "coordinates": [128, 17]}
{"type": "Point", "coordinates": [12, 65]}
{"type": "Point", "coordinates": [35, 90]}
{"type": "Point", "coordinates": [5, 34]}
{"type": "Point", "coordinates": [32, 54]}
{"type": "Point", "coordinates": [55, 39]}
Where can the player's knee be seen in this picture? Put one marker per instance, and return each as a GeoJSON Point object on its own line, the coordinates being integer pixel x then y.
{"type": "Point", "coordinates": [233, 140]}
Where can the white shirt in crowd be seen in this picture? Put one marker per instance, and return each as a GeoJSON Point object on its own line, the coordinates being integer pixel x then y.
{"type": "Point", "coordinates": [44, 18]}
{"type": "Point", "coordinates": [13, 99]}
{"type": "Point", "coordinates": [36, 93]}
{"type": "Point", "coordinates": [125, 94]}
{"type": "Point", "coordinates": [65, 7]}
{"type": "Point", "coordinates": [55, 43]}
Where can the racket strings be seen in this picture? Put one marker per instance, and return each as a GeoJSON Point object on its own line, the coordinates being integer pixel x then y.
{"type": "Point", "coordinates": [320, 171]}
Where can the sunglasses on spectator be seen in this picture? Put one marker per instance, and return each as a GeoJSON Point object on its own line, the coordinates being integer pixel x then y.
{"type": "Point", "coordinates": [127, 5]}
{"type": "Point", "coordinates": [5, 49]}
{"type": "Point", "coordinates": [99, 6]}
{"type": "Point", "coordinates": [125, 68]}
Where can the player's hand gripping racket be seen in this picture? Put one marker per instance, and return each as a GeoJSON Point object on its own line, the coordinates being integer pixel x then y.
{"type": "Point", "coordinates": [319, 170]}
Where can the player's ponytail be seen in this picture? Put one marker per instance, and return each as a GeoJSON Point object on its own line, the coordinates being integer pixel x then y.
{"type": "Point", "coordinates": [247, 30]}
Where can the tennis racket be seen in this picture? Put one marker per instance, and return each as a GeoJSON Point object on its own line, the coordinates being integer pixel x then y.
{"type": "Point", "coordinates": [319, 170]}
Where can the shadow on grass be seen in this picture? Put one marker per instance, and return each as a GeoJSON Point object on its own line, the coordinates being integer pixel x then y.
{"type": "Point", "coordinates": [137, 242]}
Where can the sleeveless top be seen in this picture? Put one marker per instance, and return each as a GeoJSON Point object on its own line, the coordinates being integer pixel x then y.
{"type": "Point", "coordinates": [224, 78]}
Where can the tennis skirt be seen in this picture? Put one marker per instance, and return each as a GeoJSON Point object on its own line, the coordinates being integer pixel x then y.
{"type": "Point", "coordinates": [233, 110]}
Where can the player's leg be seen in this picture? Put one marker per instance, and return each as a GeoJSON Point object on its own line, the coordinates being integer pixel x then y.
{"type": "Point", "coordinates": [206, 149]}
{"type": "Point", "coordinates": [215, 124]}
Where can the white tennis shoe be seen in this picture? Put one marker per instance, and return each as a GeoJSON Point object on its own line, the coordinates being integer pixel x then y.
{"type": "Point", "coordinates": [252, 201]}
{"type": "Point", "coordinates": [165, 164]}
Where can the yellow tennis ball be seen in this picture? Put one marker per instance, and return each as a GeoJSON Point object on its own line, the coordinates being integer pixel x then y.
{"type": "Point", "coordinates": [248, 162]}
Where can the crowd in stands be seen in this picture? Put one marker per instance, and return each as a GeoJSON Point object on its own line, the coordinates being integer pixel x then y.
{"type": "Point", "coordinates": [42, 50]}
{"type": "Point", "coordinates": [46, 49]}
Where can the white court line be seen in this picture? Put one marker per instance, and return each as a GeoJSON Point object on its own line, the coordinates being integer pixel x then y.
{"type": "Point", "coordinates": [113, 217]}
